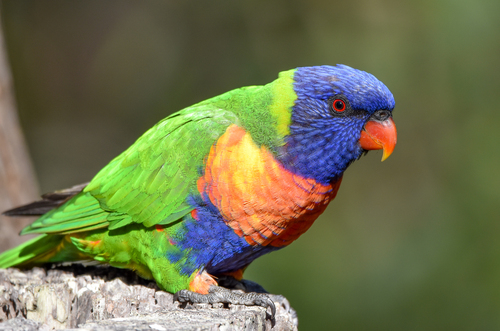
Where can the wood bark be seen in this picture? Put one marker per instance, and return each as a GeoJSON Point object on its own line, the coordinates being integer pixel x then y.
{"type": "Point", "coordinates": [105, 298]}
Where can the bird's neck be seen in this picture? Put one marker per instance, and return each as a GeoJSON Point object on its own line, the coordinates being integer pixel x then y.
{"type": "Point", "coordinates": [317, 154]}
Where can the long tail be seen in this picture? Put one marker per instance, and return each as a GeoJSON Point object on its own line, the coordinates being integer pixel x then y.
{"type": "Point", "coordinates": [42, 249]}
{"type": "Point", "coordinates": [45, 248]}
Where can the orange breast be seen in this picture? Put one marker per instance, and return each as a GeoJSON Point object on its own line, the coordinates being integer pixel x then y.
{"type": "Point", "coordinates": [258, 198]}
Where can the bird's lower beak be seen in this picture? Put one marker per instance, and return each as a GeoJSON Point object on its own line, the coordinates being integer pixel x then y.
{"type": "Point", "coordinates": [379, 135]}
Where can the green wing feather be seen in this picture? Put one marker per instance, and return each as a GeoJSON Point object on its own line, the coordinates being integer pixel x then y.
{"type": "Point", "coordinates": [76, 215]}
{"type": "Point", "coordinates": [149, 182]}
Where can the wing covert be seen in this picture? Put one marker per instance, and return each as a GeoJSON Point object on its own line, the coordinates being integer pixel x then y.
{"type": "Point", "coordinates": [150, 181]}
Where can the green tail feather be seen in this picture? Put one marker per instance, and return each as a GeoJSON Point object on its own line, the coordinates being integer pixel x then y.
{"type": "Point", "coordinates": [36, 251]}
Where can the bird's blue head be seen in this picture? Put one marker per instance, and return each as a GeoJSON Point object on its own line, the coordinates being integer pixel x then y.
{"type": "Point", "coordinates": [339, 114]}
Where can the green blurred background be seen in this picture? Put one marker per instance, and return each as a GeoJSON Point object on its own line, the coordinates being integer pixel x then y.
{"type": "Point", "coordinates": [409, 244]}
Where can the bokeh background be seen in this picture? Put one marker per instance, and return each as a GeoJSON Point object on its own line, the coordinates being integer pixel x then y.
{"type": "Point", "coordinates": [409, 244]}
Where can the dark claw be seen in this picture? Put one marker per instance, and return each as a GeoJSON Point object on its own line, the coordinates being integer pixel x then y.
{"type": "Point", "coordinates": [264, 301]}
{"type": "Point", "coordinates": [219, 294]}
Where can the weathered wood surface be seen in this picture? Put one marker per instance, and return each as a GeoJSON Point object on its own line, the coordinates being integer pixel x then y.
{"type": "Point", "coordinates": [104, 298]}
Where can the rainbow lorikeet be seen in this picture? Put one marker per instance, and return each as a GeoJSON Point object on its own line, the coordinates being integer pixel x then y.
{"type": "Point", "coordinates": [214, 186]}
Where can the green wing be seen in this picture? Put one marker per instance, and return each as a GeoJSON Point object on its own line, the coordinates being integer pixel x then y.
{"type": "Point", "coordinates": [150, 181]}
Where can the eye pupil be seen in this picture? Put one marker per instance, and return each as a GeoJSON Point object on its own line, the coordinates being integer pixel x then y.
{"type": "Point", "coordinates": [339, 105]}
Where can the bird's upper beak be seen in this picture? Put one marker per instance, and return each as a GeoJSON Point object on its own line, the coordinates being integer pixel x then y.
{"type": "Point", "coordinates": [379, 135]}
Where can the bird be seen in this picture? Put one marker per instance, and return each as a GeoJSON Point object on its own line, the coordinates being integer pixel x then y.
{"type": "Point", "coordinates": [218, 184]}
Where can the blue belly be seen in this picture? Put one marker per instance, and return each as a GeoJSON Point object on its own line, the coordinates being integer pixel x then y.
{"type": "Point", "coordinates": [208, 242]}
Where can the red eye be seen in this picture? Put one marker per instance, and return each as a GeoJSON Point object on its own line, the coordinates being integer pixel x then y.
{"type": "Point", "coordinates": [339, 105]}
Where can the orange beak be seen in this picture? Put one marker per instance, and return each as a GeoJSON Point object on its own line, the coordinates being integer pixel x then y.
{"type": "Point", "coordinates": [379, 135]}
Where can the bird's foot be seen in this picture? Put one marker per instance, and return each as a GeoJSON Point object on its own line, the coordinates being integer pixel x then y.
{"type": "Point", "coordinates": [245, 285]}
{"type": "Point", "coordinates": [218, 294]}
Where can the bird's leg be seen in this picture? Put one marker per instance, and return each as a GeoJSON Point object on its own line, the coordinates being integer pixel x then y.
{"type": "Point", "coordinates": [219, 294]}
{"type": "Point", "coordinates": [245, 285]}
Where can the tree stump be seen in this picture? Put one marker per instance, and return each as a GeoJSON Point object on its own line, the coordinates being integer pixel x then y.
{"type": "Point", "coordinates": [106, 298]}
